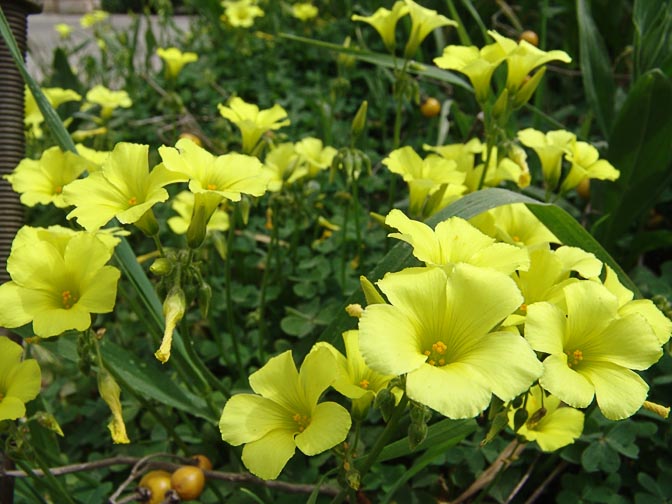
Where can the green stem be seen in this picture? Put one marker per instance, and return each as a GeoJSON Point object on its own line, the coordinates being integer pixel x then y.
{"type": "Point", "coordinates": [55, 484]}
{"type": "Point", "coordinates": [212, 382]}
{"type": "Point", "coordinates": [270, 252]}
{"type": "Point", "coordinates": [381, 442]}
{"type": "Point", "coordinates": [230, 323]}
{"type": "Point", "coordinates": [344, 248]}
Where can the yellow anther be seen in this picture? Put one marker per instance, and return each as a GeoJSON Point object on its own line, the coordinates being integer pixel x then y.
{"type": "Point", "coordinates": [573, 358]}
{"type": "Point", "coordinates": [132, 200]}
{"type": "Point", "coordinates": [302, 420]}
{"type": "Point", "coordinates": [58, 189]}
{"type": "Point", "coordinates": [436, 354]}
{"type": "Point", "coordinates": [364, 383]}
{"type": "Point", "coordinates": [516, 238]}
{"type": "Point", "coordinates": [523, 308]}
{"type": "Point", "coordinates": [68, 299]}
{"type": "Point", "coordinates": [211, 187]}
{"type": "Point", "coordinates": [439, 347]}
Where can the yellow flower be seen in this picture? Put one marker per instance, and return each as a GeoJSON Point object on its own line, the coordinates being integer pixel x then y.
{"type": "Point", "coordinates": [109, 390]}
{"type": "Point", "coordinates": [550, 148]}
{"type": "Point", "coordinates": [282, 166]}
{"type": "Point", "coordinates": [316, 156]}
{"type": "Point", "coordinates": [423, 22]}
{"type": "Point", "coordinates": [211, 179]}
{"type": "Point", "coordinates": [434, 182]}
{"type": "Point", "coordinates": [42, 181]}
{"type": "Point", "coordinates": [19, 380]}
{"type": "Point", "coordinates": [304, 11]}
{"type": "Point", "coordinates": [456, 241]}
{"type": "Point", "coordinates": [175, 60]}
{"type": "Point", "coordinates": [522, 58]}
{"type": "Point", "coordinates": [285, 413]}
{"type": "Point", "coordinates": [108, 100]}
{"type": "Point", "coordinates": [477, 65]}
{"type": "Point", "coordinates": [183, 204]}
{"type": "Point", "coordinates": [33, 117]}
{"type": "Point", "coordinates": [385, 22]}
{"type": "Point", "coordinates": [93, 18]}
{"type": "Point", "coordinates": [241, 13]}
{"type": "Point", "coordinates": [64, 30]}
{"type": "Point", "coordinates": [592, 350]}
{"type": "Point", "coordinates": [441, 331]}
{"type": "Point", "coordinates": [58, 280]}
{"type": "Point", "coordinates": [585, 164]}
{"type": "Point", "coordinates": [123, 188]}
{"type": "Point", "coordinates": [355, 380]}
{"type": "Point", "coordinates": [253, 122]}
{"type": "Point", "coordinates": [551, 424]}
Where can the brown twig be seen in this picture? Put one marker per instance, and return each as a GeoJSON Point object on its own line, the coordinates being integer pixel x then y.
{"type": "Point", "coordinates": [511, 452]}
{"type": "Point", "coordinates": [140, 465]}
{"type": "Point", "coordinates": [541, 488]}
{"type": "Point", "coordinates": [522, 481]}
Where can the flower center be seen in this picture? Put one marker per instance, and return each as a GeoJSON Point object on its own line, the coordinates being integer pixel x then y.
{"type": "Point", "coordinates": [211, 187]}
{"type": "Point", "coordinates": [436, 356]}
{"type": "Point", "coordinates": [58, 189]}
{"type": "Point", "coordinates": [68, 299]}
{"type": "Point", "coordinates": [132, 200]}
{"type": "Point", "coordinates": [364, 383]}
{"type": "Point", "coordinates": [573, 358]}
{"type": "Point", "coordinates": [302, 421]}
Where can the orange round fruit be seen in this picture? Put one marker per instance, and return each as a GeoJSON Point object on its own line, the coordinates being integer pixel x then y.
{"type": "Point", "coordinates": [158, 483]}
{"type": "Point", "coordinates": [431, 107]}
{"type": "Point", "coordinates": [530, 37]}
{"type": "Point", "coordinates": [203, 462]}
{"type": "Point", "coordinates": [583, 189]}
{"type": "Point", "coordinates": [188, 482]}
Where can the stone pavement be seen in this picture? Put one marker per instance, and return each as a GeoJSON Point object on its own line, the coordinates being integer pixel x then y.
{"type": "Point", "coordinates": [43, 38]}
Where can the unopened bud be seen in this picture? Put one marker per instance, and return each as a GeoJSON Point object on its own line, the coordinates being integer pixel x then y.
{"type": "Point", "coordinates": [417, 433]}
{"type": "Point", "coordinates": [370, 292]}
{"type": "Point", "coordinates": [354, 310]}
{"type": "Point", "coordinates": [48, 421]}
{"type": "Point", "coordinates": [174, 307]}
{"type": "Point", "coordinates": [204, 297]}
{"type": "Point", "coordinates": [109, 390]}
{"type": "Point", "coordinates": [161, 267]}
{"type": "Point", "coordinates": [359, 122]}
{"type": "Point", "coordinates": [658, 409]}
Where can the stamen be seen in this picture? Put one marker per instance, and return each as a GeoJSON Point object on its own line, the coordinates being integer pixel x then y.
{"type": "Point", "coordinates": [436, 354]}
{"type": "Point", "coordinates": [302, 420]}
{"type": "Point", "coordinates": [364, 384]}
{"type": "Point", "coordinates": [211, 187]}
{"type": "Point", "coordinates": [132, 200]}
{"type": "Point", "coordinates": [523, 308]}
{"type": "Point", "coordinates": [58, 189]}
{"type": "Point", "coordinates": [516, 238]}
{"type": "Point", "coordinates": [68, 299]}
{"type": "Point", "coordinates": [573, 358]}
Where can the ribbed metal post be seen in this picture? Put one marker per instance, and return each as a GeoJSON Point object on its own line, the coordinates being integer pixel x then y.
{"type": "Point", "coordinates": [12, 139]}
{"type": "Point", "coordinates": [12, 150]}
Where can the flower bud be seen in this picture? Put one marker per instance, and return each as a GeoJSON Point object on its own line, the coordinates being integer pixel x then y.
{"type": "Point", "coordinates": [173, 310]}
{"type": "Point", "coordinates": [109, 390]}
{"type": "Point", "coordinates": [417, 433]}
{"type": "Point", "coordinates": [359, 122]}
{"type": "Point", "coordinates": [204, 297]}
{"type": "Point", "coordinates": [161, 267]}
{"type": "Point", "coordinates": [370, 292]}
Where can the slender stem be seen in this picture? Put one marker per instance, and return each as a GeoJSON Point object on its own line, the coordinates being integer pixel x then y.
{"type": "Point", "coordinates": [381, 442]}
{"type": "Point", "coordinates": [344, 248]}
{"type": "Point", "coordinates": [212, 381]}
{"type": "Point", "coordinates": [384, 437]}
{"type": "Point", "coordinates": [230, 323]}
{"type": "Point", "coordinates": [56, 485]}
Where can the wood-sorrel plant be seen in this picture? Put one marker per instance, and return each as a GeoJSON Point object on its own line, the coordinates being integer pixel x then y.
{"type": "Point", "coordinates": [498, 322]}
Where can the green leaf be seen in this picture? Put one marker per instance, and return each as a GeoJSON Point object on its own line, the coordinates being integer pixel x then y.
{"type": "Point", "coordinates": [640, 148]}
{"type": "Point", "coordinates": [600, 456]}
{"type": "Point", "coordinates": [444, 431]}
{"type": "Point", "coordinates": [144, 375]}
{"type": "Point", "coordinates": [442, 436]}
{"type": "Point", "coordinates": [385, 60]}
{"type": "Point", "coordinates": [598, 79]}
{"type": "Point", "coordinates": [653, 36]}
